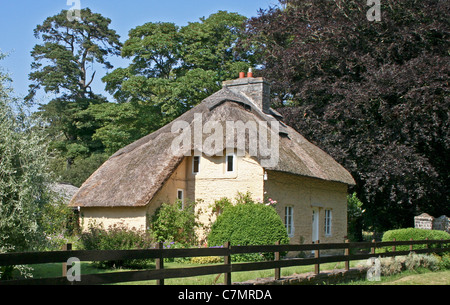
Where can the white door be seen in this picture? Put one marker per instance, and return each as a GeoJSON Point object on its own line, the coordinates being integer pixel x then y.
{"type": "Point", "coordinates": [315, 224]}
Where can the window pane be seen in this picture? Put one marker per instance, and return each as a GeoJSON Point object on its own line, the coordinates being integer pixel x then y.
{"type": "Point", "coordinates": [196, 164]}
{"type": "Point", "coordinates": [288, 220]}
{"type": "Point", "coordinates": [230, 163]}
{"type": "Point", "coordinates": [327, 222]}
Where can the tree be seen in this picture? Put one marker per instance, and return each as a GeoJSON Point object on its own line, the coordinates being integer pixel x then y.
{"type": "Point", "coordinates": [354, 218]}
{"type": "Point", "coordinates": [23, 178]}
{"type": "Point", "coordinates": [69, 49]}
{"type": "Point", "coordinates": [374, 95]}
{"type": "Point", "coordinates": [61, 66]}
{"type": "Point", "coordinates": [172, 69]}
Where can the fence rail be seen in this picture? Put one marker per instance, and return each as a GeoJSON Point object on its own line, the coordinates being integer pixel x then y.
{"type": "Point", "coordinates": [161, 273]}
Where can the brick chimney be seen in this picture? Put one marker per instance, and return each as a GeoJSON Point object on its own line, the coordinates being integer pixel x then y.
{"type": "Point", "coordinates": [255, 89]}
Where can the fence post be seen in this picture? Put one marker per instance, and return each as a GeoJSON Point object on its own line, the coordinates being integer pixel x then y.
{"type": "Point", "coordinates": [317, 256]}
{"type": "Point", "coordinates": [373, 248]}
{"type": "Point", "coordinates": [347, 253]}
{"type": "Point", "coordinates": [160, 263]}
{"type": "Point", "coordinates": [410, 246]}
{"type": "Point", "coordinates": [66, 247]}
{"type": "Point", "coordinates": [277, 258]}
{"type": "Point", "coordinates": [227, 261]}
{"type": "Point", "coordinates": [394, 248]}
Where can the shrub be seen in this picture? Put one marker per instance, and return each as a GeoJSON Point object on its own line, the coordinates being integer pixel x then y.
{"type": "Point", "coordinates": [392, 265]}
{"type": "Point", "coordinates": [413, 261]}
{"type": "Point", "coordinates": [172, 223]}
{"type": "Point", "coordinates": [248, 223]}
{"type": "Point", "coordinates": [207, 260]}
{"type": "Point", "coordinates": [415, 234]}
{"type": "Point", "coordinates": [355, 217]}
{"type": "Point", "coordinates": [117, 237]}
{"type": "Point", "coordinates": [444, 261]}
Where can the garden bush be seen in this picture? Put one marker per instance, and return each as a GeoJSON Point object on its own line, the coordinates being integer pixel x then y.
{"type": "Point", "coordinates": [117, 237]}
{"type": "Point", "coordinates": [413, 261]}
{"type": "Point", "coordinates": [415, 234]}
{"type": "Point", "coordinates": [206, 260]}
{"type": "Point", "coordinates": [248, 224]}
{"type": "Point", "coordinates": [444, 261]}
{"type": "Point", "coordinates": [171, 222]}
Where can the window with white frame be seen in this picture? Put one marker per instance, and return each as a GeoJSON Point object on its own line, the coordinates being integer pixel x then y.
{"type": "Point", "coordinates": [289, 220]}
{"type": "Point", "coordinates": [195, 164]}
{"type": "Point", "coordinates": [328, 216]}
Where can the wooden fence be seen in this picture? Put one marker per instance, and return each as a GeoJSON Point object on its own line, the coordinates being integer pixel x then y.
{"type": "Point", "coordinates": [161, 273]}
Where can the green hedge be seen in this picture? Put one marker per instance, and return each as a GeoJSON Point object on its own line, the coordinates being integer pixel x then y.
{"type": "Point", "coordinates": [415, 234]}
{"type": "Point", "coordinates": [248, 224]}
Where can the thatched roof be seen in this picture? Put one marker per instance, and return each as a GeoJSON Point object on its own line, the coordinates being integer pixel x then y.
{"type": "Point", "coordinates": [65, 191]}
{"type": "Point", "coordinates": [134, 174]}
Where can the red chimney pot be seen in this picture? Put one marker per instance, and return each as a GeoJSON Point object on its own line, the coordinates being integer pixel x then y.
{"type": "Point", "coordinates": [250, 73]}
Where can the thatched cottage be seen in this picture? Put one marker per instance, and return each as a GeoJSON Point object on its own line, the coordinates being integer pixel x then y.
{"type": "Point", "coordinates": [231, 142]}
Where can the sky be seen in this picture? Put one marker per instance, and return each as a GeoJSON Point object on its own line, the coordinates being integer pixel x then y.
{"type": "Point", "coordinates": [18, 19]}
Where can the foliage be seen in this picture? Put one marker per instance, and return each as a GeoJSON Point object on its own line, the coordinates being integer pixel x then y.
{"type": "Point", "coordinates": [58, 221]}
{"type": "Point", "coordinates": [172, 69]}
{"type": "Point", "coordinates": [68, 51]}
{"type": "Point", "coordinates": [173, 223]}
{"type": "Point", "coordinates": [123, 123]}
{"type": "Point", "coordinates": [117, 237]}
{"type": "Point", "coordinates": [415, 234]}
{"type": "Point", "coordinates": [207, 260]}
{"type": "Point", "coordinates": [444, 261]}
{"type": "Point", "coordinates": [413, 261]}
{"type": "Point", "coordinates": [79, 171]}
{"type": "Point", "coordinates": [248, 223]}
{"type": "Point", "coordinates": [220, 205]}
{"type": "Point", "coordinates": [354, 218]}
{"type": "Point", "coordinates": [374, 95]}
{"type": "Point", "coordinates": [23, 177]}
{"type": "Point", "coordinates": [69, 48]}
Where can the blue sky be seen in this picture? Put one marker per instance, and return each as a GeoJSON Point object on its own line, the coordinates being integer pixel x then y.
{"type": "Point", "coordinates": [18, 19]}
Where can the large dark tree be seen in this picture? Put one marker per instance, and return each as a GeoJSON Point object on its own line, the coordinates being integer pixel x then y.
{"type": "Point", "coordinates": [374, 95]}
{"type": "Point", "coordinates": [64, 64]}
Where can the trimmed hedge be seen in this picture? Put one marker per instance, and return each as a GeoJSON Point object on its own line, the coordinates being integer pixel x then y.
{"type": "Point", "coordinates": [415, 234]}
{"type": "Point", "coordinates": [248, 224]}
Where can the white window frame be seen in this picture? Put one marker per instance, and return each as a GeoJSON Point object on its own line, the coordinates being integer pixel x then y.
{"type": "Point", "coordinates": [182, 197]}
{"type": "Point", "coordinates": [233, 164]}
{"type": "Point", "coordinates": [193, 166]}
{"type": "Point", "coordinates": [328, 222]}
{"type": "Point", "coordinates": [289, 220]}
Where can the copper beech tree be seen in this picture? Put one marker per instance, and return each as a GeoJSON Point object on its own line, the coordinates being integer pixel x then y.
{"type": "Point", "coordinates": [373, 94]}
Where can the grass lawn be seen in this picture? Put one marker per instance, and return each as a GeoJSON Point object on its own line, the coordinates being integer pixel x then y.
{"type": "Point", "coordinates": [420, 277]}
{"type": "Point", "coordinates": [55, 270]}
